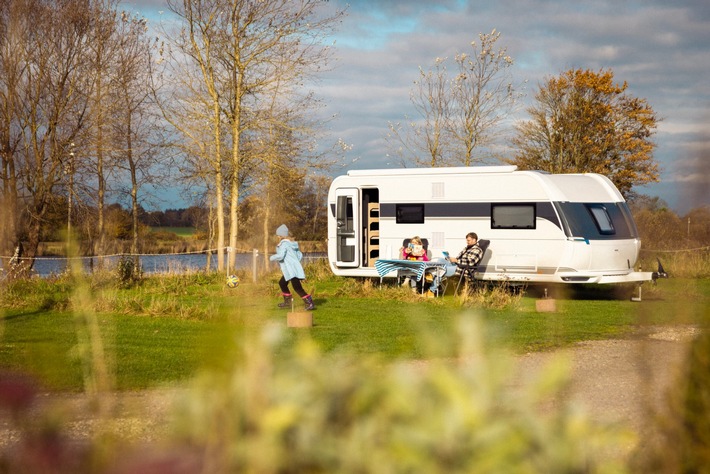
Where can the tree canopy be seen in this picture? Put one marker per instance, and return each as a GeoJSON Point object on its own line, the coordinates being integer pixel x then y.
{"type": "Point", "coordinates": [582, 121]}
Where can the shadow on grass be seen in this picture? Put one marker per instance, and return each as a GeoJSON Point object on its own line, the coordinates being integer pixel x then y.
{"type": "Point", "coordinates": [592, 292]}
{"type": "Point", "coordinates": [21, 315]}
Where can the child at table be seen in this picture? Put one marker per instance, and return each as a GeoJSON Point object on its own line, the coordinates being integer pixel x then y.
{"type": "Point", "coordinates": [415, 250]}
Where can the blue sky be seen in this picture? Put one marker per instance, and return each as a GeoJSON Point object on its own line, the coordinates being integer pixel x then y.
{"type": "Point", "coordinates": [660, 48]}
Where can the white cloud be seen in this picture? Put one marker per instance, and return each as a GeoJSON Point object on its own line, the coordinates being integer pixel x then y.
{"type": "Point", "coordinates": [661, 50]}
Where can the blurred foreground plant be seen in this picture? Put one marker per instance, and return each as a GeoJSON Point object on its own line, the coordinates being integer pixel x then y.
{"type": "Point", "coordinates": [684, 441]}
{"type": "Point", "coordinates": [311, 412]}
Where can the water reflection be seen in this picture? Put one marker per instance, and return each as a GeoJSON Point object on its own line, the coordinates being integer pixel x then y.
{"type": "Point", "coordinates": [162, 263]}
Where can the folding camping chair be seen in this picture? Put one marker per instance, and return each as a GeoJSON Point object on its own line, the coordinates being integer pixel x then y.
{"type": "Point", "coordinates": [468, 272]}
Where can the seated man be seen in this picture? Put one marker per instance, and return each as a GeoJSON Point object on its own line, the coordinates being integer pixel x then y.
{"type": "Point", "coordinates": [470, 256]}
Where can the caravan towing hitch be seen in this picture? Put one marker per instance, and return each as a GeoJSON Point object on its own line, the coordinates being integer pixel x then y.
{"type": "Point", "coordinates": [660, 273]}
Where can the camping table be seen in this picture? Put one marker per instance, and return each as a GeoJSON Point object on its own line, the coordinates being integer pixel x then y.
{"type": "Point", "coordinates": [414, 268]}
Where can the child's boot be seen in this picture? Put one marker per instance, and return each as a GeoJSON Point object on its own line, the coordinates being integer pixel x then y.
{"type": "Point", "coordinates": [288, 299]}
{"type": "Point", "coordinates": [308, 302]}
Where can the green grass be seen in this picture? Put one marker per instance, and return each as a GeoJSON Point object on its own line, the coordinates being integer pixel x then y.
{"type": "Point", "coordinates": [179, 231]}
{"type": "Point", "coordinates": [164, 329]}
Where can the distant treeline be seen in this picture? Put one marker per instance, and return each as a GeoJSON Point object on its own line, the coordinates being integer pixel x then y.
{"type": "Point", "coordinates": [190, 217]}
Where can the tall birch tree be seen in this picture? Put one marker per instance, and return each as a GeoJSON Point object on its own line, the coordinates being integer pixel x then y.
{"type": "Point", "coordinates": [243, 50]}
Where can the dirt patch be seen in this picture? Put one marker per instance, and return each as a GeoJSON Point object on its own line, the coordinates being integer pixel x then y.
{"type": "Point", "coordinates": [622, 381]}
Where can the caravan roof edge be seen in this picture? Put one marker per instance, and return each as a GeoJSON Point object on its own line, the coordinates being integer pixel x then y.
{"type": "Point", "coordinates": [434, 171]}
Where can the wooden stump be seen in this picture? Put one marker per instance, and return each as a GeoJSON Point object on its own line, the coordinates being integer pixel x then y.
{"type": "Point", "coordinates": [546, 306]}
{"type": "Point", "coordinates": [299, 319]}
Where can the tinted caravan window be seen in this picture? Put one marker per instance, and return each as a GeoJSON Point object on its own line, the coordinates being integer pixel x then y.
{"type": "Point", "coordinates": [409, 213]}
{"type": "Point", "coordinates": [597, 220]}
{"type": "Point", "coordinates": [601, 219]}
{"type": "Point", "coordinates": [513, 216]}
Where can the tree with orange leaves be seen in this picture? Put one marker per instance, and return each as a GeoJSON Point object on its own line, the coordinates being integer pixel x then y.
{"type": "Point", "coordinates": [584, 122]}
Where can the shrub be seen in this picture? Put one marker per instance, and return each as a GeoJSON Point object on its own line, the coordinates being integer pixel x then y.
{"type": "Point", "coordinates": [499, 295]}
{"type": "Point", "coordinates": [44, 293]}
{"type": "Point", "coordinates": [128, 270]}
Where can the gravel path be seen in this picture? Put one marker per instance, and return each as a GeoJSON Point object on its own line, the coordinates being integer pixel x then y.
{"type": "Point", "coordinates": [622, 381]}
{"type": "Point", "coordinates": [616, 380]}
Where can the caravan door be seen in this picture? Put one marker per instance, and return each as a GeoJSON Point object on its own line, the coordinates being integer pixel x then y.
{"type": "Point", "coordinates": [347, 217]}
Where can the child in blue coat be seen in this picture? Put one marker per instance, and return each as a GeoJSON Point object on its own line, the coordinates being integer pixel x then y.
{"type": "Point", "coordinates": [289, 257]}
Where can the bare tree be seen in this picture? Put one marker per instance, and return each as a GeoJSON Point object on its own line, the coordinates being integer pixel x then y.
{"type": "Point", "coordinates": [136, 131]}
{"type": "Point", "coordinates": [103, 50]}
{"type": "Point", "coordinates": [430, 99]}
{"type": "Point", "coordinates": [460, 114]}
{"type": "Point", "coordinates": [14, 30]}
{"type": "Point", "coordinates": [194, 107]}
{"type": "Point", "coordinates": [49, 106]}
{"type": "Point", "coordinates": [482, 95]}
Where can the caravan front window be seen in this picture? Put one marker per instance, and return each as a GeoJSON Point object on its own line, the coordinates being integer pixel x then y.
{"type": "Point", "coordinates": [601, 219]}
{"type": "Point", "coordinates": [605, 221]}
{"type": "Point", "coordinates": [513, 216]}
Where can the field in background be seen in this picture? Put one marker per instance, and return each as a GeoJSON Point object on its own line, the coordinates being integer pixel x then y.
{"type": "Point", "coordinates": [184, 232]}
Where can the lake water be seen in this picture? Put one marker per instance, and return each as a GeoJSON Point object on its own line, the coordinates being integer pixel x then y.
{"type": "Point", "coordinates": [173, 263]}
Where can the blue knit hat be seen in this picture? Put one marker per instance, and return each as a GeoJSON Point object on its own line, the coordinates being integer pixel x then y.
{"type": "Point", "coordinates": [282, 231]}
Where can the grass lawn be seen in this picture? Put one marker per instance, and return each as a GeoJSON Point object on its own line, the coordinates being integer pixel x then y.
{"type": "Point", "coordinates": [166, 328]}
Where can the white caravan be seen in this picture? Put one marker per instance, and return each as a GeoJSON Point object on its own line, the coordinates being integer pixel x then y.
{"type": "Point", "coordinates": [559, 228]}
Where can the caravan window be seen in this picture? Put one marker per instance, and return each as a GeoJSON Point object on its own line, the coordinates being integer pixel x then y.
{"type": "Point", "coordinates": [410, 213]}
{"type": "Point", "coordinates": [605, 221]}
{"type": "Point", "coordinates": [601, 219]}
{"type": "Point", "coordinates": [513, 216]}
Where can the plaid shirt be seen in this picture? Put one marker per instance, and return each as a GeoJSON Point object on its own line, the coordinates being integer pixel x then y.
{"type": "Point", "coordinates": [470, 255]}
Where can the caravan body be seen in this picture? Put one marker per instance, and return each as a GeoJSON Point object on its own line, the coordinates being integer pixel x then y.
{"type": "Point", "coordinates": [567, 228]}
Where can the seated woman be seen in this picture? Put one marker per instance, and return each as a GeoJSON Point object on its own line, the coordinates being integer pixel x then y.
{"type": "Point", "coordinates": [415, 250]}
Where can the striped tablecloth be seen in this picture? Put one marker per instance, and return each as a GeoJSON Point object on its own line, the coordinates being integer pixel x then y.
{"type": "Point", "coordinates": [414, 267]}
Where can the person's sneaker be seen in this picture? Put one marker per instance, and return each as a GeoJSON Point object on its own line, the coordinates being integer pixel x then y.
{"type": "Point", "coordinates": [430, 294]}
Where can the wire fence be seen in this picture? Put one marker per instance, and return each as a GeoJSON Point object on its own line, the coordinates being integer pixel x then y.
{"type": "Point", "coordinates": [697, 249]}
{"type": "Point", "coordinates": [155, 263]}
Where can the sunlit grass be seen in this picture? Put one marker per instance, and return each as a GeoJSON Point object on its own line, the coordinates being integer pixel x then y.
{"type": "Point", "coordinates": [156, 328]}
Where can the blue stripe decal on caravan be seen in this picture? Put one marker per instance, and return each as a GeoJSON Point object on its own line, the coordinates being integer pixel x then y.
{"type": "Point", "coordinates": [544, 210]}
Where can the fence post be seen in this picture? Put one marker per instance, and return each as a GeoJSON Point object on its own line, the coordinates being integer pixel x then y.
{"type": "Point", "coordinates": [254, 261]}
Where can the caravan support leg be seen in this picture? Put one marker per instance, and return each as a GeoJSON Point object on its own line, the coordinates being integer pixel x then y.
{"type": "Point", "coordinates": [637, 298]}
